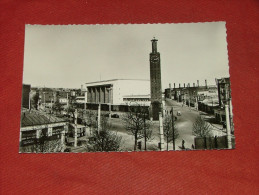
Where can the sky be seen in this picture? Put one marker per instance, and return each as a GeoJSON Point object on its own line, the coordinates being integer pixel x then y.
{"type": "Point", "coordinates": [71, 55]}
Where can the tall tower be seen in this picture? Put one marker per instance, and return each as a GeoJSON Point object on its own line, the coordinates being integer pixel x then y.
{"type": "Point", "coordinates": [155, 81]}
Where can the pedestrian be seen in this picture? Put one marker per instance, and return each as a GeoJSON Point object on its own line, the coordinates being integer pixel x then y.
{"type": "Point", "coordinates": [183, 144]}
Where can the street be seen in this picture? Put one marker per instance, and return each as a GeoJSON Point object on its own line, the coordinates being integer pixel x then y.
{"type": "Point", "coordinates": [183, 123]}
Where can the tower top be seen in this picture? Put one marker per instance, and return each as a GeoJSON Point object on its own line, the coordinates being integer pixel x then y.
{"type": "Point", "coordinates": [154, 39]}
{"type": "Point", "coordinates": [154, 45]}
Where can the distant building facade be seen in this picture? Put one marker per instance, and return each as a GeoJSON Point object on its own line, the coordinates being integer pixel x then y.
{"type": "Point", "coordinates": [35, 124]}
{"type": "Point", "coordinates": [116, 91]}
{"type": "Point", "coordinates": [26, 96]}
{"type": "Point", "coordinates": [191, 95]}
{"type": "Point", "coordinates": [224, 97]}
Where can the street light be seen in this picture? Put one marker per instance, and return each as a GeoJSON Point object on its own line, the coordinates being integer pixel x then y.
{"type": "Point", "coordinates": [44, 101]}
{"type": "Point", "coordinates": [110, 102]}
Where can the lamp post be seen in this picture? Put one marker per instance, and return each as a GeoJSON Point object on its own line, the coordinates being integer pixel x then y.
{"type": "Point", "coordinates": [161, 132]}
{"type": "Point", "coordinates": [29, 100]}
{"type": "Point", "coordinates": [110, 102]}
{"type": "Point", "coordinates": [75, 143]}
{"type": "Point", "coordinates": [85, 100]}
{"type": "Point", "coordinates": [44, 101]}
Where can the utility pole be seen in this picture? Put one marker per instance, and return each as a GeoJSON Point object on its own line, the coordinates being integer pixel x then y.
{"type": "Point", "coordinates": [145, 132]}
{"type": "Point", "coordinates": [44, 101]}
{"type": "Point", "coordinates": [99, 118]}
{"type": "Point", "coordinates": [110, 102]}
{"type": "Point", "coordinates": [85, 101]}
{"type": "Point", "coordinates": [228, 127]}
{"type": "Point", "coordinates": [30, 100]}
{"type": "Point", "coordinates": [75, 143]}
{"type": "Point", "coordinates": [67, 102]}
{"type": "Point", "coordinates": [161, 131]}
{"type": "Point", "coordinates": [170, 97]}
{"type": "Point", "coordinates": [231, 116]}
{"type": "Point", "coordinates": [172, 110]}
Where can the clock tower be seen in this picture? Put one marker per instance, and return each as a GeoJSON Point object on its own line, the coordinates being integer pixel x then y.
{"type": "Point", "coordinates": [155, 81]}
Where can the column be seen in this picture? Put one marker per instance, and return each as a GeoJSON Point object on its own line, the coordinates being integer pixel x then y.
{"type": "Point", "coordinates": [93, 95]}
{"type": "Point", "coordinates": [97, 95]}
{"type": "Point", "coordinates": [111, 95]}
{"type": "Point", "coordinates": [106, 96]}
{"type": "Point", "coordinates": [62, 138]}
{"type": "Point", "coordinates": [38, 132]}
{"type": "Point", "coordinates": [89, 95]}
{"type": "Point", "coordinates": [49, 131]}
{"type": "Point", "coordinates": [102, 95]}
{"type": "Point", "coordinates": [20, 138]}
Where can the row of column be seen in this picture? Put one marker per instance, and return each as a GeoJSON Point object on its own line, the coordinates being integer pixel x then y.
{"type": "Point", "coordinates": [99, 94]}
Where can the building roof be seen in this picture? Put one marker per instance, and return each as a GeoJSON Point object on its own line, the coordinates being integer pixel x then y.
{"type": "Point", "coordinates": [193, 88]}
{"type": "Point", "coordinates": [137, 96]}
{"type": "Point", "coordinates": [224, 80]}
{"type": "Point", "coordinates": [116, 80]}
{"type": "Point", "coordinates": [34, 117]}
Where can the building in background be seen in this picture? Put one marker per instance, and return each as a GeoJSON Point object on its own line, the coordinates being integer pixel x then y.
{"type": "Point", "coordinates": [26, 89]}
{"type": "Point", "coordinates": [36, 124]}
{"type": "Point", "coordinates": [224, 97]}
{"type": "Point", "coordinates": [116, 91]}
{"type": "Point", "coordinates": [193, 95]}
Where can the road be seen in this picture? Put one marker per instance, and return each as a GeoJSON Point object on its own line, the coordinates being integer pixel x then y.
{"type": "Point", "coordinates": [184, 122]}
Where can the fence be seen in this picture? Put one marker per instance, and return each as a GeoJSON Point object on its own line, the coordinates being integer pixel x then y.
{"type": "Point", "coordinates": [212, 142]}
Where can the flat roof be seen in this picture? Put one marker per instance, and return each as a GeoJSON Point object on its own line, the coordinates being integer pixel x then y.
{"type": "Point", "coordinates": [137, 96]}
{"type": "Point", "coordinates": [116, 80]}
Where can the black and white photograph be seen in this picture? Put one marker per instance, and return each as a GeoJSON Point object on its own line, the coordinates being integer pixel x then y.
{"type": "Point", "coordinates": [125, 88]}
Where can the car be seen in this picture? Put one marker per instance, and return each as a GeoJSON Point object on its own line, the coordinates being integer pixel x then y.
{"type": "Point", "coordinates": [179, 113]}
{"type": "Point", "coordinates": [115, 116]}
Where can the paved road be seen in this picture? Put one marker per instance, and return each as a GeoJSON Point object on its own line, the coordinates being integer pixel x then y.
{"type": "Point", "coordinates": [184, 122]}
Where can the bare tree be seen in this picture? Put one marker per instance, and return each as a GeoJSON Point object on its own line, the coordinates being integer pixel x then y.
{"type": "Point", "coordinates": [170, 130]}
{"type": "Point", "coordinates": [104, 140]}
{"type": "Point", "coordinates": [90, 119]}
{"type": "Point", "coordinates": [136, 123]}
{"type": "Point", "coordinates": [201, 128]}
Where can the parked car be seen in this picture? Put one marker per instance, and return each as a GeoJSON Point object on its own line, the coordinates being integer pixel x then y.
{"type": "Point", "coordinates": [115, 116]}
{"type": "Point", "coordinates": [179, 113]}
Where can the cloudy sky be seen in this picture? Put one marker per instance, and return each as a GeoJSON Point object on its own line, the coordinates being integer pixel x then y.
{"type": "Point", "coordinates": [71, 55]}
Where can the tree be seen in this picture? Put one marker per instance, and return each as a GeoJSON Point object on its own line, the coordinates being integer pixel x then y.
{"type": "Point", "coordinates": [104, 140]}
{"type": "Point", "coordinates": [35, 100]}
{"type": "Point", "coordinates": [136, 123]}
{"type": "Point", "coordinates": [170, 130]}
{"type": "Point", "coordinates": [201, 128]}
{"type": "Point", "coordinates": [90, 119]}
{"type": "Point", "coordinates": [57, 107]}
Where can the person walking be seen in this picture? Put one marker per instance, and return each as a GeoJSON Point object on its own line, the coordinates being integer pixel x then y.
{"type": "Point", "coordinates": [183, 147]}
